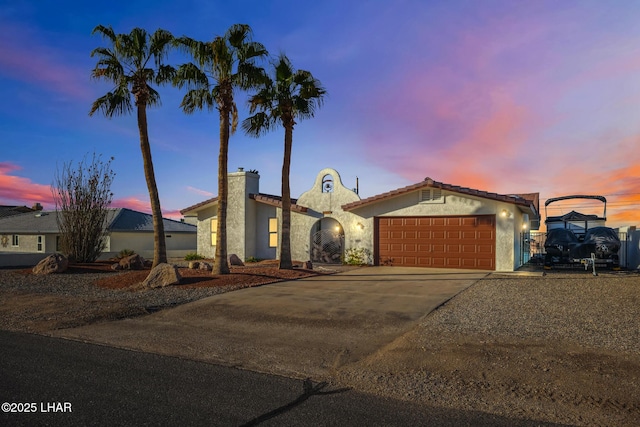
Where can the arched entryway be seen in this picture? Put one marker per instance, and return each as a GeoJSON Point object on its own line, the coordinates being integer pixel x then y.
{"type": "Point", "coordinates": [327, 242]}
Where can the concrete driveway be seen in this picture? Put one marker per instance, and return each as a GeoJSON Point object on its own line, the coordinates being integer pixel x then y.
{"type": "Point", "coordinates": [302, 328]}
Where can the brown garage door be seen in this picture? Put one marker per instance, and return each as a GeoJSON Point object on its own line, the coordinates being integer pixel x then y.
{"type": "Point", "coordinates": [449, 242]}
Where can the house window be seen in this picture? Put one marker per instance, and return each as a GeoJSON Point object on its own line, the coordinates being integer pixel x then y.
{"type": "Point", "coordinates": [15, 241]}
{"type": "Point", "coordinates": [40, 243]}
{"type": "Point", "coordinates": [431, 195]}
{"type": "Point", "coordinates": [214, 231]}
{"type": "Point", "coordinates": [273, 232]}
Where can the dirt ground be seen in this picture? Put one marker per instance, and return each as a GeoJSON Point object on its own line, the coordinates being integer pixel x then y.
{"type": "Point", "coordinates": [550, 380]}
{"type": "Point", "coordinates": [44, 309]}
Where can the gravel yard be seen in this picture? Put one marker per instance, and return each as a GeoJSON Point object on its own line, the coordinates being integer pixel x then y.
{"type": "Point", "coordinates": [93, 293]}
{"type": "Point", "coordinates": [561, 348]}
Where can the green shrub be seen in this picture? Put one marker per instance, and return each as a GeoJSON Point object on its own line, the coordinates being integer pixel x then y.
{"type": "Point", "coordinates": [193, 257]}
{"type": "Point", "coordinates": [357, 256]}
{"type": "Point", "coordinates": [253, 259]}
{"type": "Point", "coordinates": [125, 253]}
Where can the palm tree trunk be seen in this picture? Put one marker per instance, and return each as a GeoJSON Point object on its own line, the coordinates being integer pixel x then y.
{"type": "Point", "coordinates": [221, 265]}
{"type": "Point", "coordinates": [285, 245]}
{"type": "Point", "coordinates": [159, 244]}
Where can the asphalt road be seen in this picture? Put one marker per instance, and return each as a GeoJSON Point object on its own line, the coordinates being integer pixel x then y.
{"type": "Point", "coordinates": [68, 383]}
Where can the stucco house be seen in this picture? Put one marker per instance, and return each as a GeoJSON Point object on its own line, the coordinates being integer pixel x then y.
{"type": "Point", "coordinates": [38, 233]}
{"type": "Point", "coordinates": [427, 224]}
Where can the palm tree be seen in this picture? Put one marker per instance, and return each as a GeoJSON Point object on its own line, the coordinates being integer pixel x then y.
{"type": "Point", "coordinates": [219, 68]}
{"type": "Point", "coordinates": [132, 63]}
{"type": "Point", "coordinates": [288, 96]}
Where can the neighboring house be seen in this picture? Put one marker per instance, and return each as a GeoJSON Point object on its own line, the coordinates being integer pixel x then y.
{"type": "Point", "coordinates": [38, 232]}
{"type": "Point", "coordinates": [6, 211]}
{"type": "Point", "coordinates": [430, 224]}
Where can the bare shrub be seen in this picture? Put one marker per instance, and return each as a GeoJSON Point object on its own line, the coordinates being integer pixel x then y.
{"type": "Point", "coordinates": [82, 196]}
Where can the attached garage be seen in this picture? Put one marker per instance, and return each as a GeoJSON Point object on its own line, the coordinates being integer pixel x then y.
{"type": "Point", "coordinates": [433, 224]}
{"type": "Point", "coordinates": [467, 241]}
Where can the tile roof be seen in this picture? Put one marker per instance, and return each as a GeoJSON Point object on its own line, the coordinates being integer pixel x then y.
{"type": "Point", "coordinates": [276, 201]}
{"type": "Point", "coordinates": [197, 206]}
{"type": "Point", "coordinates": [13, 210]}
{"type": "Point", "coordinates": [119, 219]}
{"type": "Point", "coordinates": [268, 199]}
{"type": "Point", "coordinates": [130, 220]}
{"type": "Point", "coordinates": [521, 200]}
{"type": "Point", "coordinates": [41, 222]}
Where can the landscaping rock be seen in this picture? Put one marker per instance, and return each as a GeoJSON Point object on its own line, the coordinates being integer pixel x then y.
{"type": "Point", "coordinates": [235, 260]}
{"type": "Point", "coordinates": [162, 275]}
{"type": "Point", "coordinates": [132, 262]}
{"type": "Point", "coordinates": [54, 263]}
{"type": "Point", "coordinates": [116, 267]}
{"type": "Point", "coordinates": [194, 265]}
{"type": "Point", "coordinates": [206, 266]}
{"type": "Point", "coordinates": [308, 265]}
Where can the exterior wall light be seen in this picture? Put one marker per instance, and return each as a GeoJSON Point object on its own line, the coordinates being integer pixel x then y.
{"type": "Point", "coordinates": [360, 226]}
{"type": "Point", "coordinates": [505, 213]}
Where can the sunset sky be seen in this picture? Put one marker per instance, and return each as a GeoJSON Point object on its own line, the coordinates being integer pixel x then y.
{"type": "Point", "coordinates": [503, 96]}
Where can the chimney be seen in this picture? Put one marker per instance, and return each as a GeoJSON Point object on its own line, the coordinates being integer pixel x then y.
{"type": "Point", "coordinates": [36, 207]}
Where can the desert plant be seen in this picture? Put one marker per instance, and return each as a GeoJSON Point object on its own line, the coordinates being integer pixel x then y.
{"type": "Point", "coordinates": [357, 256]}
{"type": "Point", "coordinates": [253, 259]}
{"type": "Point", "coordinates": [193, 257]}
{"type": "Point", "coordinates": [125, 253]}
{"type": "Point", "coordinates": [82, 196]}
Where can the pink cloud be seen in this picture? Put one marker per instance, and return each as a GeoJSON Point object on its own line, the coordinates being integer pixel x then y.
{"type": "Point", "coordinates": [133, 203]}
{"type": "Point", "coordinates": [16, 190]}
{"type": "Point", "coordinates": [199, 191]}
{"type": "Point", "coordinates": [143, 205]}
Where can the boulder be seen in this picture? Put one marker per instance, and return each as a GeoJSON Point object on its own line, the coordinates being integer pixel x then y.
{"type": "Point", "coordinates": [162, 275]}
{"type": "Point", "coordinates": [194, 265]}
{"type": "Point", "coordinates": [116, 266]}
{"type": "Point", "coordinates": [132, 262]}
{"type": "Point", "coordinates": [235, 260]}
{"type": "Point", "coordinates": [206, 266]}
{"type": "Point", "coordinates": [54, 263]}
{"type": "Point", "coordinates": [308, 265]}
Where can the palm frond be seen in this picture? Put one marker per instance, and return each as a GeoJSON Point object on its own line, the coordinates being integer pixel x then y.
{"type": "Point", "coordinates": [153, 99]}
{"type": "Point", "coordinates": [115, 103]}
{"type": "Point", "coordinates": [191, 76]}
{"type": "Point", "coordinates": [105, 32]}
{"type": "Point", "coordinates": [234, 117]}
{"type": "Point", "coordinates": [258, 125]}
{"type": "Point", "coordinates": [197, 99]}
{"type": "Point", "coordinates": [166, 74]}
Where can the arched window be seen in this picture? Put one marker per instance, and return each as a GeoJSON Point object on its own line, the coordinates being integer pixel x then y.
{"type": "Point", "coordinates": [327, 184]}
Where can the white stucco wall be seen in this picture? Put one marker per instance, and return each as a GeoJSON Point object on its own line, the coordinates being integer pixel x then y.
{"type": "Point", "coordinates": [325, 205]}
{"type": "Point", "coordinates": [204, 245]}
{"type": "Point", "coordinates": [261, 245]}
{"type": "Point", "coordinates": [241, 213]}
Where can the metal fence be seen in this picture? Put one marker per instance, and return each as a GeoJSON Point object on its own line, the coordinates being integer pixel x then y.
{"type": "Point", "coordinates": [532, 248]}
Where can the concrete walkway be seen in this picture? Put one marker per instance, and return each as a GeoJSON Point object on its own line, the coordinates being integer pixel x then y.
{"type": "Point", "coordinates": [303, 328]}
